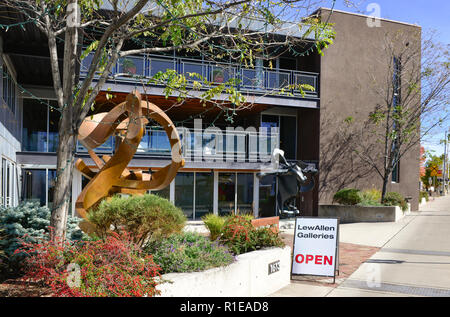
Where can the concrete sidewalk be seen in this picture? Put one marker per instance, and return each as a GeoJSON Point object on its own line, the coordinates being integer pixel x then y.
{"type": "Point", "coordinates": [412, 258]}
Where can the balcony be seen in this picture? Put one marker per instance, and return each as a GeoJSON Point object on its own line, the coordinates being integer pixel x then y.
{"type": "Point", "coordinates": [231, 145]}
{"type": "Point", "coordinates": [256, 81]}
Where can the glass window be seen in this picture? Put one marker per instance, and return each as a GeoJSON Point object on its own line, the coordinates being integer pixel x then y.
{"type": "Point", "coordinates": [244, 194]}
{"type": "Point", "coordinates": [164, 193]}
{"type": "Point", "coordinates": [40, 125]}
{"type": "Point", "coordinates": [34, 131]}
{"type": "Point", "coordinates": [204, 187]}
{"type": "Point", "coordinates": [267, 196]}
{"type": "Point", "coordinates": [35, 185]}
{"type": "Point", "coordinates": [288, 136]}
{"type": "Point", "coordinates": [184, 193]}
{"type": "Point", "coordinates": [51, 178]}
{"type": "Point", "coordinates": [226, 193]}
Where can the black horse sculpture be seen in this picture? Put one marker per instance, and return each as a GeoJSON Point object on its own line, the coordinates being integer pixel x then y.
{"type": "Point", "coordinates": [293, 178]}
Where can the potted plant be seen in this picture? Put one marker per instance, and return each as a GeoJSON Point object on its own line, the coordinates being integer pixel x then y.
{"type": "Point", "coordinates": [128, 66]}
{"type": "Point", "coordinates": [218, 75]}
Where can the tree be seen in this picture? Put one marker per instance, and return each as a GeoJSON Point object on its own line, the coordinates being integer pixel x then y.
{"type": "Point", "coordinates": [432, 162]}
{"type": "Point", "coordinates": [111, 30]}
{"type": "Point", "coordinates": [414, 98]}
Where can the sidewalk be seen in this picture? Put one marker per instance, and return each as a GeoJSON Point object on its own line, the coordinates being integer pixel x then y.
{"type": "Point", "coordinates": [360, 244]}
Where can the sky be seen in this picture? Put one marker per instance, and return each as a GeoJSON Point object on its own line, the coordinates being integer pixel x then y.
{"type": "Point", "coordinates": [429, 14]}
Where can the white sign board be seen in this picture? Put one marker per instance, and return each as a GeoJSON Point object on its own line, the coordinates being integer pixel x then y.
{"type": "Point", "coordinates": [315, 246]}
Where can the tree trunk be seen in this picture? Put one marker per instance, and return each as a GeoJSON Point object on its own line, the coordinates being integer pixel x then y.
{"type": "Point", "coordinates": [384, 189]}
{"type": "Point", "coordinates": [64, 170]}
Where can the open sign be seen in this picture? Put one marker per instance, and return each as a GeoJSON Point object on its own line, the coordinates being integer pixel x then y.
{"type": "Point", "coordinates": [315, 249]}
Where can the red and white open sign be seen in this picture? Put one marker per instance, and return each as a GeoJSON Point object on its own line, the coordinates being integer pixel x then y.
{"type": "Point", "coordinates": [315, 246]}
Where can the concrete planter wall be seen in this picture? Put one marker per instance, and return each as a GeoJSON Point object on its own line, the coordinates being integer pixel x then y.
{"type": "Point", "coordinates": [247, 277]}
{"type": "Point", "coordinates": [349, 214]}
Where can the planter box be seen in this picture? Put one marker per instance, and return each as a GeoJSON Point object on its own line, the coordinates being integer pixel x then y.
{"type": "Point", "coordinates": [249, 276]}
{"type": "Point", "coordinates": [349, 214]}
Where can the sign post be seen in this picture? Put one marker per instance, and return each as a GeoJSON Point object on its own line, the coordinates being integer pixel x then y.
{"type": "Point", "coordinates": [316, 247]}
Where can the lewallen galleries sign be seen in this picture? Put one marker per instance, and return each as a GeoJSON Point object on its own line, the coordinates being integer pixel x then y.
{"type": "Point", "coordinates": [315, 246]}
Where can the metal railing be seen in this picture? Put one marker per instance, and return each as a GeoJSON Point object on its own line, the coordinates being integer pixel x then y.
{"type": "Point", "coordinates": [205, 145]}
{"type": "Point", "coordinates": [258, 80]}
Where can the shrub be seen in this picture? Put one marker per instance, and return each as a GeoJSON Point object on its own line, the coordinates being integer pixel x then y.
{"type": "Point", "coordinates": [347, 196]}
{"type": "Point", "coordinates": [370, 197]}
{"type": "Point", "coordinates": [241, 236]}
{"type": "Point", "coordinates": [142, 216]}
{"type": "Point", "coordinates": [27, 222]}
{"type": "Point", "coordinates": [423, 194]}
{"type": "Point", "coordinates": [395, 199]}
{"type": "Point", "coordinates": [115, 266]}
{"type": "Point", "coordinates": [214, 224]}
{"type": "Point", "coordinates": [188, 252]}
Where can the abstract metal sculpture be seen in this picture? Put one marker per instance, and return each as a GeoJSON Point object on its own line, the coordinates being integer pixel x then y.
{"type": "Point", "coordinates": [291, 181]}
{"type": "Point", "coordinates": [127, 121]}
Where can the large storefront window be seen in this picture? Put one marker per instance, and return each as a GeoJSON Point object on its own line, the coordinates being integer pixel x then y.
{"type": "Point", "coordinates": [244, 186]}
{"type": "Point", "coordinates": [38, 186]}
{"type": "Point", "coordinates": [35, 186]}
{"type": "Point", "coordinates": [184, 193]}
{"type": "Point", "coordinates": [235, 193]}
{"type": "Point", "coordinates": [226, 193]}
{"type": "Point", "coordinates": [40, 126]}
{"type": "Point", "coordinates": [204, 186]}
{"type": "Point", "coordinates": [164, 193]}
{"type": "Point", "coordinates": [267, 196]}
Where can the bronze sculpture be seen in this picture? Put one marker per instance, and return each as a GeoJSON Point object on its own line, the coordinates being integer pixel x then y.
{"type": "Point", "coordinates": [127, 121]}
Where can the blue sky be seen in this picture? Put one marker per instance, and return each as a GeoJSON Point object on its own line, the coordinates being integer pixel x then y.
{"type": "Point", "coordinates": [429, 14]}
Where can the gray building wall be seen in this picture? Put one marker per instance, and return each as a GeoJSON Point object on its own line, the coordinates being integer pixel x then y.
{"type": "Point", "coordinates": [348, 70]}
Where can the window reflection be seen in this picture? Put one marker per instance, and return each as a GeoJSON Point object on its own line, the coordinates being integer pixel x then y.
{"type": "Point", "coordinates": [267, 196]}
{"type": "Point", "coordinates": [184, 193]}
{"type": "Point", "coordinates": [34, 136]}
{"type": "Point", "coordinates": [204, 186]}
{"type": "Point", "coordinates": [244, 194]}
{"type": "Point", "coordinates": [35, 185]}
{"type": "Point", "coordinates": [40, 125]}
{"type": "Point", "coordinates": [226, 193]}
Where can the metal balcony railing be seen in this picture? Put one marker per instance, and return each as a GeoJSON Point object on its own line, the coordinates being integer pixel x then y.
{"type": "Point", "coordinates": [258, 80]}
{"type": "Point", "coordinates": [204, 145]}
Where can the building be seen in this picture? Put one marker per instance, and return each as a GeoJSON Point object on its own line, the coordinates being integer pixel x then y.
{"type": "Point", "coordinates": [28, 121]}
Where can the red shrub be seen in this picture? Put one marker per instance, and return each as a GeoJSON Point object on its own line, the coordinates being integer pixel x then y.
{"type": "Point", "coordinates": [111, 267]}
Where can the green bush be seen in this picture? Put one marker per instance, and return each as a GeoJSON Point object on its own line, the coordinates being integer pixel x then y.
{"type": "Point", "coordinates": [395, 199]}
{"type": "Point", "coordinates": [28, 222]}
{"type": "Point", "coordinates": [188, 252]}
{"type": "Point", "coordinates": [423, 194]}
{"type": "Point", "coordinates": [214, 224]}
{"type": "Point", "coordinates": [241, 236]}
{"type": "Point", "coordinates": [370, 197]}
{"type": "Point", "coordinates": [142, 216]}
{"type": "Point", "coordinates": [348, 196]}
